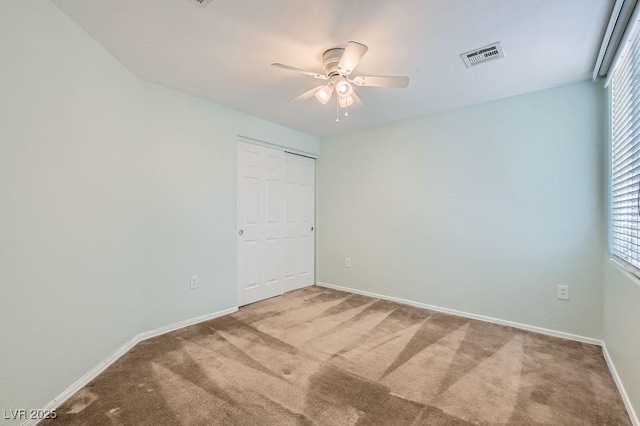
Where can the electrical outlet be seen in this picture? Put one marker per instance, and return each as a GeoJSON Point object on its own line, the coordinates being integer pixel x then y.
{"type": "Point", "coordinates": [194, 281]}
{"type": "Point", "coordinates": [347, 262]}
{"type": "Point", "coordinates": [563, 292]}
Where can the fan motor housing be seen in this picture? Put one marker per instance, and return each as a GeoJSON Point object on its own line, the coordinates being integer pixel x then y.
{"type": "Point", "coordinates": [330, 60]}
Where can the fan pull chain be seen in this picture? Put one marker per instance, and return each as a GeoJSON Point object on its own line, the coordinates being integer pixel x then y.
{"type": "Point", "coordinates": [337, 110]}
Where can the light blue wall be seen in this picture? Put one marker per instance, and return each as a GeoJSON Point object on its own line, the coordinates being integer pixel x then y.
{"type": "Point", "coordinates": [621, 324]}
{"type": "Point", "coordinates": [484, 209]}
{"type": "Point", "coordinates": [113, 192]}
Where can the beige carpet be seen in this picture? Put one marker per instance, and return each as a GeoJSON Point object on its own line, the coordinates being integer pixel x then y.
{"type": "Point", "coordinates": [319, 356]}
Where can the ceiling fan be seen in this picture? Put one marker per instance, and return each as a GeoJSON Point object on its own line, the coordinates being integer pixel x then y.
{"type": "Point", "coordinates": [338, 65]}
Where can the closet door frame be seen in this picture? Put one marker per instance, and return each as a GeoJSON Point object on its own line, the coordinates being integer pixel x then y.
{"type": "Point", "coordinates": [284, 150]}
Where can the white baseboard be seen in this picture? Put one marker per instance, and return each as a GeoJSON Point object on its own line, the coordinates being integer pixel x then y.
{"type": "Point", "coordinates": [521, 326]}
{"type": "Point", "coordinates": [84, 380]}
{"type": "Point", "coordinates": [623, 393]}
{"type": "Point", "coordinates": [183, 324]}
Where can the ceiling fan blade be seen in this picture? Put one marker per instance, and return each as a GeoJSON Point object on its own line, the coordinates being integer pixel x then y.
{"type": "Point", "coordinates": [381, 81]}
{"type": "Point", "coordinates": [306, 95]}
{"type": "Point", "coordinates": [310, 73]}
{"type": "Point", "coordinates": [351, 56]}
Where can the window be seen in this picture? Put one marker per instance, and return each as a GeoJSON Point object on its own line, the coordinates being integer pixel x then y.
{"type": "Point", "coordinates": [624, 226]}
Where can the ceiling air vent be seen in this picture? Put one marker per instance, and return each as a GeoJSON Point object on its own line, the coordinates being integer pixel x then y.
{"type": "Point", "coordinates": [201, 3]}
{"type": "Point", "coordinates": [483, 54]}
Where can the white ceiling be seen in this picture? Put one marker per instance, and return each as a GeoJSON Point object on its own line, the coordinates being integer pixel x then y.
{"type": "Point", "coordinates": [223, 53]}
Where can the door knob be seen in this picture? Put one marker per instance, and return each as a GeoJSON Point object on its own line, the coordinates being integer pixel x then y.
{"type": "Point", "coordinates": [240, 232]}
{"type": "Point", "coordinates": [312, 229]}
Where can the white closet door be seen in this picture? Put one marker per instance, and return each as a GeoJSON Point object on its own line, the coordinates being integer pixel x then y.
{"type": "Point", "coordinates": [260, 218]}
{"type": "Point", "coordinates": [298, 240]}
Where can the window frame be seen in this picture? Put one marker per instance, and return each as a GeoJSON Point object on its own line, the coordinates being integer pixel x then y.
{"type": "Point", "coordinates": [632, 43]}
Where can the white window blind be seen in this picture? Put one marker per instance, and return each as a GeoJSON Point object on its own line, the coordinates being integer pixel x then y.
{"type": "Point", "coordinates": [624, 226]}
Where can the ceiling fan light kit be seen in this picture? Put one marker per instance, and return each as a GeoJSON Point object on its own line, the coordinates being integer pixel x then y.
{"type": "Point", "coordinates": [338, 64]}
{"type": "Point", "coordinates": [346, 101]}
{"type": "Point", "coordinates": [323, 94]}
{"type": "Point", "coordinates": [342, 86]}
